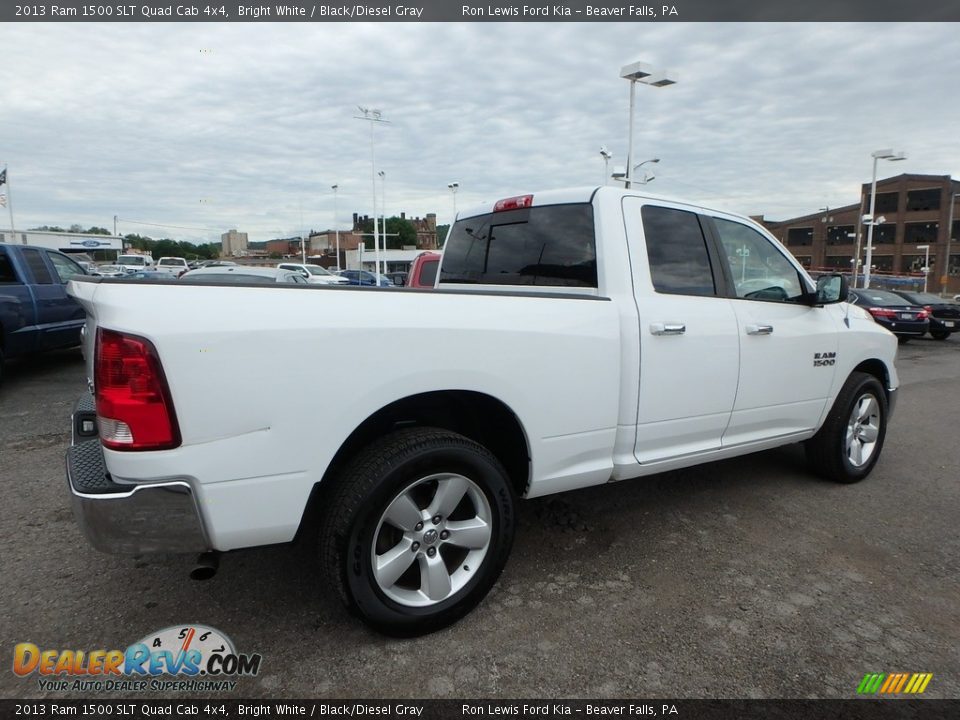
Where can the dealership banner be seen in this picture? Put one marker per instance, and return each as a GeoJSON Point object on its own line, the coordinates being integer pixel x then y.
{"type": "Point", "coordinates": [462, 709]}
{"type": "Point", "coordinates": [450, 10]}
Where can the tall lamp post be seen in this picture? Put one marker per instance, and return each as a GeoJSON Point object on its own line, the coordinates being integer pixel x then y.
{"type": "Point", "coordinates": [877, 155]}
{"type": "Point", "coordinates": [373, 116]}
{"type": "Point", "coordinates": [945, 278]}
{"type": "Point", "coordinates": [648, 75]}
{"type": "Point", "coordinates": [606, 155]}
{"type": "Point", "coordinates": [926, 263]}
{"type": "Point", "coordinates": [383, 224]}
{"type": "Point", "coordinates": [336, 227]}
{"type": "Point", "coordinates": [454, 186]}
{"type": "Point", "coordinates": [646, 178]}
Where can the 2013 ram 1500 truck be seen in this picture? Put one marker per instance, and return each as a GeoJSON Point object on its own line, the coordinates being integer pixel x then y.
{"type": "Point", "coordinates": [575, 338]}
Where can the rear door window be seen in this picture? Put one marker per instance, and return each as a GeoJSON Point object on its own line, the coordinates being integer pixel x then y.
{"type": "Point", "coordinates": [677, 252]}
{"type": "Point", "coordinates": [38, 268]}
{"type": "Point", "coordinates": [552, 245]}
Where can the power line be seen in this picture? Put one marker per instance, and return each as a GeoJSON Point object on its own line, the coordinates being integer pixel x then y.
{"type": "Point", "coordinates": [175, 227]}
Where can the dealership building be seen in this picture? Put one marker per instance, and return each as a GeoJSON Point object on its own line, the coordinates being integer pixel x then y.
{"type": "Point", "coordinates": [913, 214]}
{"type": "Point", "coordinates": [67, 242]}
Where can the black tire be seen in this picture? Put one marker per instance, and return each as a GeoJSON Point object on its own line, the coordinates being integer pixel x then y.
{"type": "Point", "coordinates": [903, 339]}
{"type": "Point", "coordinates": [827, 451]}
{"type": "Point", "coordinates": [397, 466]}
{"type": "Point", "coordinates": [939, 334]}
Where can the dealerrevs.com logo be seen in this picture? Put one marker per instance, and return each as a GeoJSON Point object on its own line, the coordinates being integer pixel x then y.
{"type": "Point", "coordinates": [197, 657]}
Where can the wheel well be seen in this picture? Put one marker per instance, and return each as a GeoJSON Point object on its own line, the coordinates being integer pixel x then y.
{"type": "Point", "coordinates": [878, 369]}
{"type": "Point", "coordinates": [480, 417]}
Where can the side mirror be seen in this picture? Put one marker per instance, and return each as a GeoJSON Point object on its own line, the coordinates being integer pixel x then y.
{"type": "Point", "coordinates": [832, 289]}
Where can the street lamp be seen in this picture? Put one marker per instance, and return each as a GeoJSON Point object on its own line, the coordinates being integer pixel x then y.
{"type": "Point", "coordinates": [646, 178]}
{"type": "Point", "coordinates": [383, 202]}
{"type": "Point", "coordinates": [373, 116]}
{"type": "Point", "coordinates": [646, 74]}
{"type": "Point", "coordinates": [606, 155]}
{"type": "Point", "coordinates": [336, 227]}
{"type": "Point", "coordinates": [454, 186]}
{"type": "Point", "coordinates": [945, 278]}
{"type": "Point", "coordinates": [877, 155]}
{"type": "Point", "coordinates": [926, 263]}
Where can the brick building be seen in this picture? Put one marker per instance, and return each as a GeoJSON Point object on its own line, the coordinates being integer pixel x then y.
{"type": "Point", "coordinates": [915, 210]}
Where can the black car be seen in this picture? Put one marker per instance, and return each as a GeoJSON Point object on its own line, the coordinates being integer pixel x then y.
{"type": "Point", "coordinates": [944, 314]}
{"type": "Point", "coordinates": [896, 314]}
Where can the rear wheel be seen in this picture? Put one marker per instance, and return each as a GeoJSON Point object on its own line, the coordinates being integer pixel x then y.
{"type": "Point", "coordinates": [939, 334]}
{"type": "Point", "coordinates": [417, 530]}
{"type": "Point", "coordinates": [848, 445]}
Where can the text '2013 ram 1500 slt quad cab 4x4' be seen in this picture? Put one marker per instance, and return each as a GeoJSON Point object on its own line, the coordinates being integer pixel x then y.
{"type": "Point", "coordinates": [575, 338]}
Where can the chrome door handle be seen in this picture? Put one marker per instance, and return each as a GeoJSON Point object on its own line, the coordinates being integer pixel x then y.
{"type": "Point", "coordinates": [759, 329]}
{"type": "Point", "coordinates": [660, 328]}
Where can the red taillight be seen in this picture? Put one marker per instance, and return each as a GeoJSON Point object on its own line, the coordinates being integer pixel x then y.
{"type": "Point", "coordinates": [882, 312]}
{"type": "Point", "coordinates": [922, 315]}
{"type": "Point", "coordinates": [134, 410]}
{"type": "Point", "coordinates": [513, 203]}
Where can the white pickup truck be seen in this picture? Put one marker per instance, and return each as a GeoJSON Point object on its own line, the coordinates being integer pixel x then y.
{"type": "Point", "coordinates": [574, 338]}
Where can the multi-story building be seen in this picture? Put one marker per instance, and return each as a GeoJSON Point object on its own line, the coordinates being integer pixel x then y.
{"type": "Point", "coordinates": [912, 211]}
{"type": "Point", "coordinates": [233, 243]}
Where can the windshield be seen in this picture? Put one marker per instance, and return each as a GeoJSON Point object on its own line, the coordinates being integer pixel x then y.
{"type": "Point", "coordinates": [171, 261]}
{"type": "Point", "coordinates": [130, 260]}
{"type": "Point", "coordinates": [317, 270]}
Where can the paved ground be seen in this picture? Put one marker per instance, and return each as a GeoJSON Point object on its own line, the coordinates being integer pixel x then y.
{"type": "Point", "coordinates": [744, 578]}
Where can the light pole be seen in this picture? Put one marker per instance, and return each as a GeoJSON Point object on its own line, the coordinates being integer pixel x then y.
{"type": "Point", "coordinates": [644, 73]}
{"type": "Point", "coordinates": [877, 155]}
{"type": "Point", "coordinates": [926, 263]}
{"type": "Point", "coordinates": [383, 202]}
{"type": "Point", "coordinates": [336, 227]}
{"type": "Point", "coordinates": [606, 155]}
{"type": "Point", "coordinates": [373, 117]}
{"type": "Point", "coordinates": [454, 186]}
{"type": "Point", "coordinates": [945, 278]}
{"type": "Point", "coordinates": [646, 178]}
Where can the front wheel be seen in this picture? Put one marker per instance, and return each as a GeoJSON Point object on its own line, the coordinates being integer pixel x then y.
{"type": "Point", "coordinates": [417, 530]}
{"type": "Point", "coordinates": [848, 445]}
{"type": "Point", "coordinates": [939, 334]}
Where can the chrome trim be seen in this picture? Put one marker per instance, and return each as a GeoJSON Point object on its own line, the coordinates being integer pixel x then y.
{"type": "Point", "coordinates": [149, 518]}
{"type": "Point", "coordinates": [891, 402]}
{"type": "Point", "coordinates": [659, 328]}
{"type": "Point", "coordinates": [759, 329]}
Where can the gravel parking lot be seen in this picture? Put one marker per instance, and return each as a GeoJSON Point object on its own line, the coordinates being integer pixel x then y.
{"type": "Point", "coordinates": [743, 578]}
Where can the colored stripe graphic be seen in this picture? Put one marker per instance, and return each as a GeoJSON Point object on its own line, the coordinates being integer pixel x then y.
{"type": "Point", "coordinates": [894, 683]}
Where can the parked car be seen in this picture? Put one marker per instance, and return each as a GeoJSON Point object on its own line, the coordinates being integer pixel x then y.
{"type": "Point", "coordinates": [36, 314]}
{"type": "Point", "coordinates": [584, 336]}
{"type": "Point", "coordinates": [134, 261]}
{"type": "Point", "coordinates": [423, 270]}
{"type": "Point", "coordinates": [944, 314]}
{"type": "Point", "coordinates": [111, 271]}
{"type": "Point", "coordinates": [240, 274]}
{"type": "Point", "coordinates": [901, 317]}
{"type": "Point", "coordinates": [314, 274]}
{"type": "Point", "coordinates": [149, 275]}
{"type": "Point", "coordinates": [89, 267]}
{"type": "Point", "coordinates": [365, 278]}
{"type": "Point", "coordinates": [397, 278]}
{"type": "Point", "coordinates": [174, 266]}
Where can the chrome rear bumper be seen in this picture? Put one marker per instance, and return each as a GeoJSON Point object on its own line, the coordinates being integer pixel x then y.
{"type": "Point", "coordinates": [131, 519]}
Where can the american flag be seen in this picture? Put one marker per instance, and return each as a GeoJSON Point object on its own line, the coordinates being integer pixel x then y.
{"type": "Point", "coordinates": [3, 200]}
{"type": "Point", "coordinates": [3, 176]}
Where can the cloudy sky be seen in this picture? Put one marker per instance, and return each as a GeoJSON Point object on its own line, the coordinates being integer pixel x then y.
{"type": "Point", "coordinates": [199, 128]}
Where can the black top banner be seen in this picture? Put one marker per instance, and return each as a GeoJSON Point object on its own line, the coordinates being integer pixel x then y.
{"type": "Point", "coordinates": [383, 709]}
{"type": "Point", "coordinates": [471, 11]}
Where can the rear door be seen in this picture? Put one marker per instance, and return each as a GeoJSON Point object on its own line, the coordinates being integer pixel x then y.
{"type": "Point", "coordinates": [689, 349]}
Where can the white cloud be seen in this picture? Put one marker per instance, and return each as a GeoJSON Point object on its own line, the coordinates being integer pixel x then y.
{"type": "Point", "coordinates": [217, 126]}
